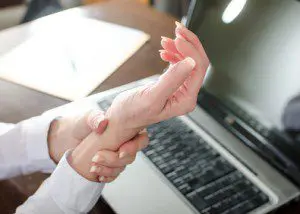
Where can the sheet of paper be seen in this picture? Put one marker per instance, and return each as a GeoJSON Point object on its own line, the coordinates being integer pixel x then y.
{"type": "Point", "coordinates": [69, 58]}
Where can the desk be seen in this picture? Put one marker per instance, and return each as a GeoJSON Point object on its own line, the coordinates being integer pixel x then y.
{"type": "Point", "coordinates": [19, 103]}
{"type": "Point", "coordinates": [7, 3]}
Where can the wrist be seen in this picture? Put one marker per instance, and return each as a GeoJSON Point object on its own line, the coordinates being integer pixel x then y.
{"type": "Point", "coordinates": [81, 157]}
{"type": "Point", "coordinates": [118, 131]}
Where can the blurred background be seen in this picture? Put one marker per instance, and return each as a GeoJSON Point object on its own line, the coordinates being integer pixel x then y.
{"type": "Point", "coordinates": [14, 12]}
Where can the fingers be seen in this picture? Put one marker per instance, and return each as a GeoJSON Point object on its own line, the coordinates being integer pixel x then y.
{"type": "Point", "coordinates": [188, 50]}
{"type": "Point", "coordinates": [97, 121]}
{"type": "Point", "coordinates": [90, 121]}
{"type": "Point", "coordinates": [169, 45]}
{"type": "Point", "coordinates": [182, 32]}
{"type": "Point", "coordinates": [126, 154]}
{"type": "Point", "coordinates": [81, 128]}
{"type": "Point", "coordinates": [169, 56]}
{"type": "Point", "coordinates": [144, 139]}
{"type": "Point", "coordinates": [106, 171]}
{"type": "Point", "coordinates": [170, 52]}
{"type": "Point", "coordinates": [111, 159]}
{"type": "Point", "coordinates": [186, 44]}
{"type": "Point", "coordinates": [108, 165]}
{"type": "Point", "coordinates": [136, 144]}
{"type": "Point", "coordinates": [194, 83]}
{"type": "Point", "coordinates": [172, 79]}
{"type": "Point", "coordinates": [104, 179]}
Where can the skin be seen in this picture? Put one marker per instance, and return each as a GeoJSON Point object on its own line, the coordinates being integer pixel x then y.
{"type": "Point", "coordinates": [68, 133]}
{"type": "Point", "coordinates": [174, 94]}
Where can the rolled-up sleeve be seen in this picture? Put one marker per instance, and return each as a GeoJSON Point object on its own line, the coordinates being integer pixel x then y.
{"type": "Point", "coordinates": [24, 148]}
{"type": "Point", "coordinates": [65, 191]}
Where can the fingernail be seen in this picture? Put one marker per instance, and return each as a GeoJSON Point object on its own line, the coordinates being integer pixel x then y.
{"type": "Point", "coordinates": [178, 24]}
{"type": "Point", "coordinates": [143, 131]}
{"type": "Point", "coordinates": [95, 158]}
{"type": "Point", "coordinates": [95, 119]}
{"type": "Point", "coordinates": [190, 61]}
{"type": "Point", "coordinates": [122, 155]}
{"type": "Point", "coordinates": [98, 119]}
{"type": "Point", "coordinates": [178, 56]}
{"type": "Point", "coordinates": [101, 179]}
{"type": "Point", "coordinates": [164, 38]}
{"type": "Point", "coordinates": [180, 36]}
{"type": "Point", "coordinates": [98, 159]}
{"type": "Point", "coordinates": [93, 169]}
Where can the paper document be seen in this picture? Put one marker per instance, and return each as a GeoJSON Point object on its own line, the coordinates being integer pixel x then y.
{"type": "Point", "coordinates": [69, 58]}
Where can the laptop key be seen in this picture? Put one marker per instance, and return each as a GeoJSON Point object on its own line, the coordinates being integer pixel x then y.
{"type": "Point", "coordinates": [208, 181]}
{"type": "Point", "coordinates": [185, 189]}
{"type": "Point", "coordinates": [198, 202]}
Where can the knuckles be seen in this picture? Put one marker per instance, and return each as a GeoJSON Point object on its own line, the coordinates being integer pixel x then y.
{"type": "Point", "coordinates": [109, 171]}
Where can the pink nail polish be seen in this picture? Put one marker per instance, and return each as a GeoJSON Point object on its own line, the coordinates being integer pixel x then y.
{"type": "Point", "coordinates": [178, 24]}
{"type": "Point", "coordinates": [96, 120]}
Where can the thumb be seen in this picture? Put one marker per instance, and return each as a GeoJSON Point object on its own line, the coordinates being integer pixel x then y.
{"type": "Point", "coordinates": [173, 78]}
{"type": "Point", "coordinates": [91, 121]}
{"type": "Point", "coordinates": [136, 144]}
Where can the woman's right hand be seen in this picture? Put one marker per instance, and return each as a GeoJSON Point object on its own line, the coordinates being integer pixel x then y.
{"type": "Point", "coordinates": [174, 94]}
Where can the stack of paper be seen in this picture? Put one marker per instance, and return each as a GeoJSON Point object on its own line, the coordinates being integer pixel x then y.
{"type": "Point", "coordinates": [69, 58]}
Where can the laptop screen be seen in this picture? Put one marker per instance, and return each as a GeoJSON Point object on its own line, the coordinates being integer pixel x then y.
{"type": "Point", "coordinates": [254, 48]}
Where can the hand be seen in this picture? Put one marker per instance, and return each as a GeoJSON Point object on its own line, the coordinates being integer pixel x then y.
{"type": "Point", "coordinates": [184, 45]}
{"type": "Point", "coordinates": [174, 94]}
{"type": "Point", "coordinates": [67, 133]}
{"type": "Point", "coordinates": [108, 165]}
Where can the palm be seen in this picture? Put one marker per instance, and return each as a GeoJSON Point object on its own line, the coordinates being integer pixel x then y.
{"type": "Point", "coordinates": [174, 94]}
{"type": "Point", "coordinates": [179, 103]}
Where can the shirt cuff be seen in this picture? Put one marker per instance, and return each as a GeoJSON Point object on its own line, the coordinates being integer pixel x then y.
{"type": "Point", "coordinates": [36, 134]}
{"type": "Point", "coordinates": [72, 192]}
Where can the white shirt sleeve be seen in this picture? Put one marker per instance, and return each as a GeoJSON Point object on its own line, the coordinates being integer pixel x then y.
{"type": "Point", "coordinates": [24, 148]}
{"type": "Point", "coordinates": [64, 192]}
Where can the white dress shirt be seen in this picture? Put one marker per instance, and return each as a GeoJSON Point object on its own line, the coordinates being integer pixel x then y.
{"type": "Point", "coordinates": [23, 150]}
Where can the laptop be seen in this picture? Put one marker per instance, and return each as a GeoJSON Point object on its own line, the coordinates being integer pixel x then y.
{"type": "Point", "coordinates": [232, 153]}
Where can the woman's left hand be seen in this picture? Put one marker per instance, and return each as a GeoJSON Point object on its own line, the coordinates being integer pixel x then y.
{"type": "Point", "coordinates": [174, 94]}
{"type": "Point", "coordinates": [108, 165]}
{"type": "Point", "coordinates": [67, 133]}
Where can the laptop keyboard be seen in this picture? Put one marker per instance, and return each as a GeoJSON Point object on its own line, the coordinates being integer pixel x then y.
{"type": "Point", "coordinates": [208, 181]}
